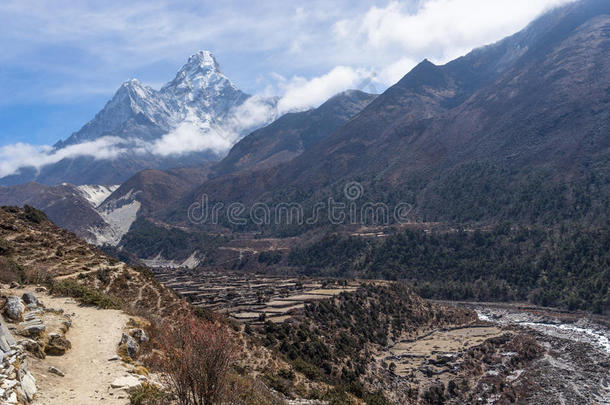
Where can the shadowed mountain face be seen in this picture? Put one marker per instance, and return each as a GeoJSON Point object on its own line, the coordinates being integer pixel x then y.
{"type": "Point", "coordinates": [64, 204]}
{"type": "Point", "coordinates": [156, 190]}
{"type": "Point", "coordinates": [515, 130]}
{"type": "Point", "coordinates": [293, 133]}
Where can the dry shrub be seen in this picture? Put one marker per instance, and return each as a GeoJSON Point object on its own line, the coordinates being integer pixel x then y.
{"type": "Point", "coordinates": [38, 275]}
{"type": "Point", "coordinates": [245, 390]}
{"type": "Point", "coordinates": [10, 271]}
{"type": "Point", "coordinates": [196, 358]}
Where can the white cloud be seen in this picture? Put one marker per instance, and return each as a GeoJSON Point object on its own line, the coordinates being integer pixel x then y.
{"type": "Point", "coordinates": [438, 29]}
{"type": "Point", "coordinates": [15, 156]}
{"type": "Point", "coordinates": [89, 45]}
{"type": "Point", "coordinates": [300, 93]}
{"type": "Point", "coordinates": [188, 137]}
{"type": "Point", "coordinates": [395, 71]}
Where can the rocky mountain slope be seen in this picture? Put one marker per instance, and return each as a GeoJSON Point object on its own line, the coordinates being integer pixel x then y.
{"type": "Point", "coordinates": [36, 250]}
{"type": "Point", "coordinates": [516, 130]}
{"type": "Point", "coordinates": [292, 134]}
{"type": "Point", "coordinates": [69, 206]}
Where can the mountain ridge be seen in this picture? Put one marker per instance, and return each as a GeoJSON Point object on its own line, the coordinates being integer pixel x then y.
{"type": "Point", "coordinates": [421, 137]}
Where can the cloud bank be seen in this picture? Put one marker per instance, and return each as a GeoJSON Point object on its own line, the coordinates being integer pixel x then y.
{"type": "Point", "coordinates": [19, 155]}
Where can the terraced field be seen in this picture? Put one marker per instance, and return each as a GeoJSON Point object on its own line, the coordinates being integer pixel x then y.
{"type": "Point", "coordinates": [250, 297]}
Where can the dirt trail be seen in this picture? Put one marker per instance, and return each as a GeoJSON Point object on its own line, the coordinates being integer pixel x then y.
{"type": "Point", "coordinates": [94, 335]}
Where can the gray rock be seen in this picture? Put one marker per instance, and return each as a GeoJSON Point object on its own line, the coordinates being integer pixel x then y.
{"type": "Point", "coordinates": [28, 385]}
{"type": "Point", "coordinates": [14, 308]}
{"type": "Point", "coordinates": [130, 344]}
{"type": "Point", "coordinates": [9, 384]}
{"type": "Point", "coordinates": [127, 383]}
{"type": "Point", "coordinates": [33, 347]}
{"type": "Point", "coordinates": [12, 398]}
{"type": "Point", "coordinates": [29, 298]}
{"type": "Point", "coordinates": [32, 328]}
{"type": "Point", "coordinates": [31, 316]}
{"type": "Point", "coordinates": [56, 371]}
{"type": "Point", "coordinates": [6, 339]}
{"type": "Point", "coordinates": [139, 335]}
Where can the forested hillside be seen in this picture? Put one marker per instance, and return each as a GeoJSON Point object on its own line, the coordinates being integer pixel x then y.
{"type": "Point", "coordinates": [566, 267]}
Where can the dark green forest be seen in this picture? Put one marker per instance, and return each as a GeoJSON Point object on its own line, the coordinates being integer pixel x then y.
{"type": "Point", "coordinates": [567, 267]}
{"type": "Point", "coordinates": [146, 239]}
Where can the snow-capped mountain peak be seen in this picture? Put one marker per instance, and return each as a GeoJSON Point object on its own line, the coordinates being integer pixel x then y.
{"type": "Point", "coordinates": [199, 111]}
{"type": "Point", "coordinates": [200, 73]}
{"type": "Point", "coordinates": [200, 89]}
{"type": "Point", "coordinates": [203, 59]}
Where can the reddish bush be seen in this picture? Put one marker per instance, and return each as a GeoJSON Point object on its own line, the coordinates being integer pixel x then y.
{"type": "Point", "coordinates": [197, 357]}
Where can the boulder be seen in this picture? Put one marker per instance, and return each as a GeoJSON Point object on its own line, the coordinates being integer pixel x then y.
{"type": "Point", "coordinates": [14, 308]}
{"type": "Point", "coordinates": [57, 345]}
{"type": "Point", "coordinates": [29, 298]}
{"type": "Point", "coordinates": [130, 345]}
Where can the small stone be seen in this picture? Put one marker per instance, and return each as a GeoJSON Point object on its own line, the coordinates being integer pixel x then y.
{"type": "Point", "coordinates": [33, 347]}
{"type": "Point", "coordinates": [12, 398]}
{"type": "Point", "coordinates": [56, 371]}
{"type": "Point", "coordinates": [139, 335]}
{"type": "Point", "coordinates": [32, 328]}
{"type": "Point", "coordinates": [29, 298]}
{"type": "Point", "coordinates": [8, 384]}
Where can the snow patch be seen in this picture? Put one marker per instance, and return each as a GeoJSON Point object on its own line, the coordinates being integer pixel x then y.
{"type": "Point", "coordinates": [96, 194]}
{"type": "Point", "coordinates": [118, 222]}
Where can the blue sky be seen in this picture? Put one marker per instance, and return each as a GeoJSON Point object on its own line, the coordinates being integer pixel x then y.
{"type": "Point", "coordinates": [62, 60]}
